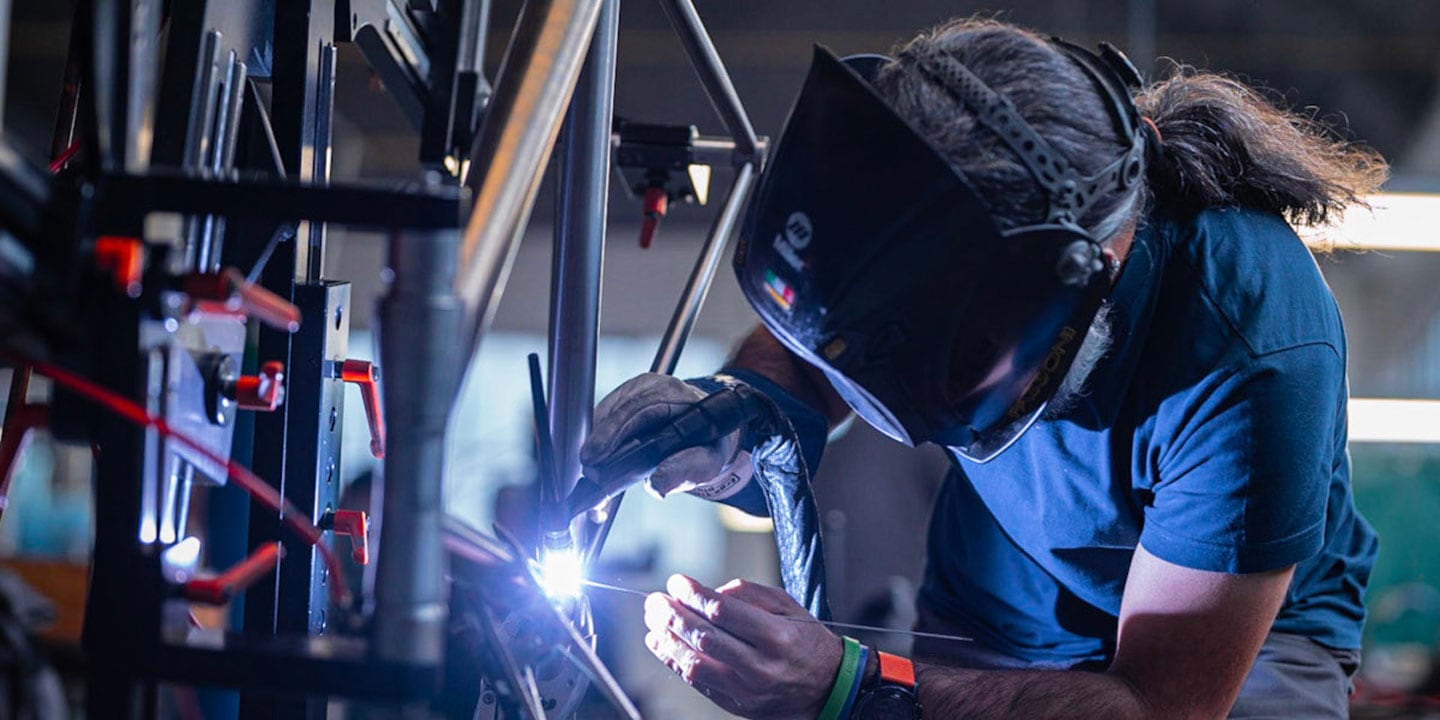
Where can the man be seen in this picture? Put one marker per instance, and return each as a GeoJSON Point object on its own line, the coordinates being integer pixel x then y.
{"type": "Point", "coordinates": [1095, 303]}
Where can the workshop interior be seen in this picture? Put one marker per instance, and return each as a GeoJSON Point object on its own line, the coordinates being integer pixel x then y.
{"type": "Point", "coordinates": [307, 305]}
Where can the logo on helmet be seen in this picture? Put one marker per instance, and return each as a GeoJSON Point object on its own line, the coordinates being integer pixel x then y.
{"type": "Point", "coordinates": [1053, 360]}
{"type": "Point", "coordinates": [798, 230]}
{"type": "Point", "coordinates": [795, 236]}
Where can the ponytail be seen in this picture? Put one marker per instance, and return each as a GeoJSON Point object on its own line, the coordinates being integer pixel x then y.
{"type": "Point", "coordinates": [1223, 144]}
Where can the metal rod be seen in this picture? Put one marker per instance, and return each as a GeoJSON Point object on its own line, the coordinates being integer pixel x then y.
{"type": "Point", "coordinates": [550, 493]}
{"type": "Point", "coordinates": [222, 156]}
{"type": "Point", "coordinates": [419, 319]}
{"type": "Point", "coordinates": [536, 80]}
{"type": "Point", "coordinates": [68, 112]}
{"type": "Point", "coordinates": [320, 172]}
{"type": "Point", "coordinates": [696, 288]}
{"type": "Point", "coordinates": [711, 70]}
{"type": "Point", "coordinates": [575, 280]}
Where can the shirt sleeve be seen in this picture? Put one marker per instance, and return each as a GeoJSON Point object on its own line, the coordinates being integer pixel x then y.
{"type": "Point", "coordinates": [1244, 475]}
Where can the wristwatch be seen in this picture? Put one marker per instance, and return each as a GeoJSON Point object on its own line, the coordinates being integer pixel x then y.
{"type": "Point", "coordinates": [894, 697]}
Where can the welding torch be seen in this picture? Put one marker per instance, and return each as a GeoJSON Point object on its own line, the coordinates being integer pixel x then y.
{"type": "Point", "coordinates": [707, 421]}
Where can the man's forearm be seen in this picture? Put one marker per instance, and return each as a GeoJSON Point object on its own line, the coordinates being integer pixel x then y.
{"type": "Point", "coordinates": [947, 692]}
{"type": "Point", "coordinates": [760, 352]}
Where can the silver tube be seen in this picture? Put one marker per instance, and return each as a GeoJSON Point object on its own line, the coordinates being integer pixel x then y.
{"type": "Point", "coordinates": [222, 158]}
{"type": "Point", "coordinates": [575, 278]}
{"type": "Point", "coordinates": [535, 83]}
{"type": "Point", "coordinates": [710, 150]}
{"type": "Point", "coordinates": [419, 318]}
{"type": "Point", "coordinates": [696, 288]}
{"type": "Point", "coordinates": [320, 168]}
{"type": "Point", "coordinates": [712, 73]}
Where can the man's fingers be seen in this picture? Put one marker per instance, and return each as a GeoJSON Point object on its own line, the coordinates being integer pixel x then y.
{"type": "Point", "coordinates": [663, 612]}
{"type": "Point", "coordinates": [762, 596]}
{"type": "Point", "coordinates": [756, 626]}
{"type": "Point", "coordinates": [721, 683]}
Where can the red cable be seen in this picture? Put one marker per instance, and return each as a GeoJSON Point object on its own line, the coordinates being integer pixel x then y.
{"type": "Point", "coordinates": [64, 157]}
{"type": "Point", "coordinates": [261, 491]}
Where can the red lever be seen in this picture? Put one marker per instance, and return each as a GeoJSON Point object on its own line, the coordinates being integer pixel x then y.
{"type": "Point", "coordinates": [262, 392]}
{"type": "Point", "coordinates": [218, 590]}
{"type": "Point", "coordinates": [655, 204]}
{"type": "Point", "coordinates": [233, 293]}
{"type": "Point", "coordinates": [367, 376]}
{"type": "Point", "coordinates": [124, 257]}
{"type": "Point", "coordinates": [353, 524]}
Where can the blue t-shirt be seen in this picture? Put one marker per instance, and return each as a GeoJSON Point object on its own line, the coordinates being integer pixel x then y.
{"type": "Point", "coordinates": [1213, 433]}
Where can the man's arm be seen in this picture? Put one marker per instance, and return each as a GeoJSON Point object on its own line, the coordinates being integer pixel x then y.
{"type": "Point", "coordinates": [1187, 641]}
{"type": "Point", "coordinates": [761, 353]}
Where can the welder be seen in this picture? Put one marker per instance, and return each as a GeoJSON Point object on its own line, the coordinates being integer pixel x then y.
{"type": "Point", "coordinates": [1089, 292]}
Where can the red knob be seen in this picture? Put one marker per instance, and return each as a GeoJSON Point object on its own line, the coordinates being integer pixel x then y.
{"type": "Point", "coordinates": [263, 392]}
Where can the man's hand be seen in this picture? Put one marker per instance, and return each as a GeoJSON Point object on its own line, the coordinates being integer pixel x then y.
{"type": "Point", "coordinates": [749, 648]}
{"type": "Point", "coordinates": [645, 404]}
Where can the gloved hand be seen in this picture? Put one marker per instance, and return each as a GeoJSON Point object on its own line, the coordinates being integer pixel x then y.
{"type": "Point", "coordinates": [646, 404]}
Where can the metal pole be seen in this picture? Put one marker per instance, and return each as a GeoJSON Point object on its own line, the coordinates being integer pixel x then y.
{"type": "Point", "coordinates": [324, 135]}
{"type": "Point", "coordinates": [536, 80]}
{"type": "Point", "coordinates": [683, 320]}
{"type": "Point", "coordinates": [580, 251]}
{"type": "Point", "coordinates": [713, 76]}
{"type": "Point", "coordinates": [419, 319]}
{"type": "Point", "coordinates": [698, 286]}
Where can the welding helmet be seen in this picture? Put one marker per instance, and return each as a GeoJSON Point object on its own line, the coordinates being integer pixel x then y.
{"type": "Point", "coordinates": [869, 255]}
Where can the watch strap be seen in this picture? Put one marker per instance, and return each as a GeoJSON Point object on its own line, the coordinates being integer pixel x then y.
{"type": "Point", "coordinates": [897, 670]}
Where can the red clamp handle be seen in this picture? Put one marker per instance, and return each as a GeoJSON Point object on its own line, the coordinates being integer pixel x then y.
{"type": "Point", "coordinates": [229, 291]}
{"type": "Point", "coordinates": [354, 524]}
{"type": "Point", "coordinates": [262, 392]}
{"type": "Point", "coordinates": [367, 376]}
{"type": "Point", "coordinates": [124, 257]}
{"type": "Point", "coordinates": [220, 589]}
{"type": "Point", "coordinates": [655, 204]}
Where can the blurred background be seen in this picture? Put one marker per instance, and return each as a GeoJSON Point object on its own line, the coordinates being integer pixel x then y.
{"type": "Point", "coordinates": [1372, 69]}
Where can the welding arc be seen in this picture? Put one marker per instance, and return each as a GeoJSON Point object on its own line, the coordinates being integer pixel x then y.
{"type": "Point", "coordinates": [827, 623]}
{"type": "Point", "coordinates": [259, 490]}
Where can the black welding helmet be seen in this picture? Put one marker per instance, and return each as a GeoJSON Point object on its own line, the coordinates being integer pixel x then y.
{"type": "Point", "coordinates": [869, 255]}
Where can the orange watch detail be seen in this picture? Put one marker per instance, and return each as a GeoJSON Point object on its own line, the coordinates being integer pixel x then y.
{"type": "Point", "coordinates": [897, 670]}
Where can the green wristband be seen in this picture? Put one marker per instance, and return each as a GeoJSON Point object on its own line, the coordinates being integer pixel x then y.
{"type": "Point", "coordinates": [844, 679]}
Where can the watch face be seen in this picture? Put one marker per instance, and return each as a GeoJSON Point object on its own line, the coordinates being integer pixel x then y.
{"type": "Point", "coordinates": [888, 702]}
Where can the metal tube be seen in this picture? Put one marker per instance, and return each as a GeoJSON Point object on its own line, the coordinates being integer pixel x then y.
{"type": "Point", "coordinates": [320, 172]}
{"type": "Point", "coordinates": [536, 80]}
{"type": "Point", "coordinates": [575, 279]}
{"type": "Point", "coordinates": [221, 157]}
{"type": "Point", "coordinates": [419, 318]}
{"type": "Point", "coordinates": [711, 70]}
{"type": "Point", "coordinates": [68, 112]}
{"type": "Point", "coordinates": [696, 288]}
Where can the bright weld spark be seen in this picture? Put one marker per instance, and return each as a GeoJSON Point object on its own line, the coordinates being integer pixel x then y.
{"type": "Point", "coordinates": [560, 573]}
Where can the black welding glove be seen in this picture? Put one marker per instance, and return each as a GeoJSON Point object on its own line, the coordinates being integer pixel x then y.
{"type": "Point", "coordinates": [763, 447]}
{"type": "Point", "coordinates": [676, 437]}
